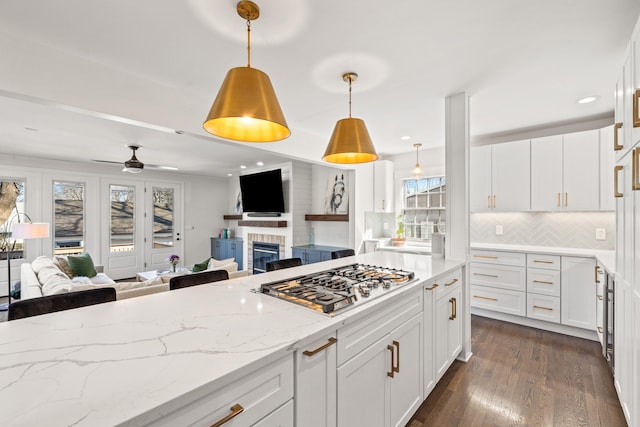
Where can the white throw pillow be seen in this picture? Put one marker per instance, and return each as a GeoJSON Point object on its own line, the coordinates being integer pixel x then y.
{"type": "Point", "coordinates": [214, 263]}
{"type": "Point", "coordinates": [40, 263]}
{"type": "Point", "coordinates": [231, 267]}
{"type": "Point", "coordinates": [54, 281]}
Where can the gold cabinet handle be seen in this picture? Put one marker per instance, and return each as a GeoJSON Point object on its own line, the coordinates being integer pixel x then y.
{"type": "Point", "coordinates": [543, 308]}
{"type": "Point", "coordinates": [558, 199]}
{"type": "Point", "coordinates": [331, 341]}
{"type": "Point", "coordinates": [494, 202]}
{"type": "Point", "coordinates": [435, 285]}
{"type": "Point", "coordinates": [397, 367]}
{"type": "Point", "coordinates": [235, 411]}
{"type": "Point", "coordinates": [616, 193]}
{"type": "Point", "coordinates": [596, 273]}
{"type": "Point", "coordinates": [636, 116]}
{"type": "Point", "coordinates": [453, 282]}
{"type": "Point", "coordinates": [485, 256]}
{"type": "Point", "coordinates": [600, 297]}
{"type": "Point", "coordinates": [543, 261]}
{"type": "Point", "coordinates": [566, 200]}
{"type": "Point", "coordinates": [489, 201]}
{"type": "Point", "coordinates": [485, 275]}
{"type": "Point", "coordinates": [391, 372]}
{"type": "Point", "coordinates": [543, 281]}
{"type": "Point", "coordinates": [453, 309]}
{"type": "Point", "coordinates": [616, 128]}
{"type": "Point", "coordinates": [635, 185]}
{"type": "Point", "coordinates": [600, 329]}
{"type": "Point", "coordinates": [487, 298]}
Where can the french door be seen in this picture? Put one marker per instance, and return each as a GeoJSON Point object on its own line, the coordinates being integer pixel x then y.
{"type": "Point", "coordinates": [143, 226]}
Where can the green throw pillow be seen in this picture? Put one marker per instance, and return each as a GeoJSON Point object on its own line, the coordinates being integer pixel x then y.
{"type": "Point", "coordinates": [201, 266]}
{"type": "Point", "coordinates": [82, 265]}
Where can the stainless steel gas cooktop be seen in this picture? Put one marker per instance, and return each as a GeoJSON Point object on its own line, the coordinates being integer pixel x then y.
{"type": "Point", "coordinates": [333, 290]}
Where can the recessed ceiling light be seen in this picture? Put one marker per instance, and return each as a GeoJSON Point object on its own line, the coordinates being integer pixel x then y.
{"type": "Point", "coordinates": [587, 99]}
{"type": "Point", "coordinates": [405, 138]}
{"type": "Point", "coordinates": [259, 163]}
{"type": "Point", "coordinates": [229, 174]}
{"type": "Point", "coordinates": [243, 167]}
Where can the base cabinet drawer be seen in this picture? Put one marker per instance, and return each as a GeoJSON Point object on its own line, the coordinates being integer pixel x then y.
{"type": "Point", "coordinates": [548, 262]}
{"type": "Point", "coordinates": [499, 276]}
{"type": "Point", "coordinates": [281, 417]}
{"type": "Point", "coordinates": [543, 307]}
{"type": "Point", "coordinates": [498, 257]}
{"type": "Point", "coordinates": [503, 300]}
{"type": "Point", "coordinates": [543, 282]}
{"type": "Point", "coordinates": [244, 402]}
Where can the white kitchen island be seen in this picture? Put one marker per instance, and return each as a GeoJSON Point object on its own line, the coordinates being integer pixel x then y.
{"type": "Point", "coordinates": [142, 360]}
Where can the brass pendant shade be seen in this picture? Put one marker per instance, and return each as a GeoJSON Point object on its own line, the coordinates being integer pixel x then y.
{"type": "Point", "coordinates": [247, 109]}
{"type": "Point", "coordinates": [417, 171]}
{"type": "Point", "coordinates": [350, 143]}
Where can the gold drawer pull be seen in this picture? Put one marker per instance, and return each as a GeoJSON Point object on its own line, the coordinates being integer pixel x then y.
{"type": "Point", "coordinates": [435, 285]}
{"type": "Point", "coordinates": [600, 329]}
{"type": "Point", "coordinates": [397, 368]}
{"type": "Point", "coordinates": [485, 256]}
{"type": "Point", "coordinates": [331, 341]}
{"type": "Point", "coordinates": [616, 193]}
{"type": "Point", "coordinates": [485, 275]}
{"type": "Point", "coordinates": [543, 281]}
{"type": "Point", "coordinates": [543, 308]}
{"type": "Point", "coordinates": [558, 199]}
{"type": "Point", "coordinates": [635, 185]}
{"type": "Point", "coordinates": [600, 297]}
{"type": "Point", "coordinates": [487, 298]}
{"type": "Point", "coordinates": [454, 309]}
{"type": "Point", "coordinates": [393, 369]}
{"type": "Point", "coordinates": [235, 411]}
{"type": "Point", "coordinates": [453, 282]}
{"type": "Point", "coordinates": [489, 202]}
{"type": "Point", "coordinates": [494, 202]}
{"type": "Point", "coordinates": [616, 128]}
{"type": "Point", "coordinates": [566, 200]}
{"type": "Point", "coordinates": [596, 273]}
{"type": "Point", "coordinates": [636, 116]}
{"type": "Point", "coordinates": [542, 261]}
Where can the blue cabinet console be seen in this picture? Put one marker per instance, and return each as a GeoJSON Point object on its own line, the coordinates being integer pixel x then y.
{"type": "Point", "coordinates": [227, 248]}
{"type": "Point", "coordinates": [313, 253]}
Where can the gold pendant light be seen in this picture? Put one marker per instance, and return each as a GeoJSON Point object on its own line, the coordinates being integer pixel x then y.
{"type": "Point", "coordinates": [417, 171]}
{"type": "Point", "coordinates": [246, 108]}
{"type": "Point", "coordinates": [350, 141]}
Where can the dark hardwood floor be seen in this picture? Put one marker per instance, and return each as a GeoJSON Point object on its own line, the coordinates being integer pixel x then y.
{"type": "Point", "coordinates": [520, 376]}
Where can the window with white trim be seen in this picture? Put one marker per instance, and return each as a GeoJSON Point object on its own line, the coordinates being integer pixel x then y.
{"type": "Point", "coordinates": [423, 206]}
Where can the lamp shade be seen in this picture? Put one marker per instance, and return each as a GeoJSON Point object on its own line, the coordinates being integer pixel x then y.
{"type": "Point", "coordinates": [30, 230]}
{"type": "Point", "coordinates": [350, 143]}
{"type": "Point", "coordinates": [247, 109]}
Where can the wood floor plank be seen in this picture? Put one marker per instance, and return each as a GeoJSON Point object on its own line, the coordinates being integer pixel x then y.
{"type": "Point", "coordinates": [520, 376]}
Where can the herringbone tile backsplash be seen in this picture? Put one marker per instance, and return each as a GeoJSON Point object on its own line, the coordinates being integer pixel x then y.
{"type": "Point", "coordinates": [564, 229]}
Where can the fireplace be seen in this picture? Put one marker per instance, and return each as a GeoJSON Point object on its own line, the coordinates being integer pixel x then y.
{"type": "Point", "coordinates": [262, 254]}
{"type": "Point", "coordinates": [273, 239]}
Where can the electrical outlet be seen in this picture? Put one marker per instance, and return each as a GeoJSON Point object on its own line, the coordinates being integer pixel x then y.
{"type": "Point", "coordinates": [385, 225]}
{"type": "Point", "coordinates": [499, 230]}
{"type": "Point", "coordinates": [601, 234]}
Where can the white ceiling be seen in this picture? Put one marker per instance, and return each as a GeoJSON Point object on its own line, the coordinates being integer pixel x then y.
{"type": "Point", "coordinates": [161, 62]}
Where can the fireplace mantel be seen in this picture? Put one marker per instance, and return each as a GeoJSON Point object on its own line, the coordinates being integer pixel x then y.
{"type": "Point", "coordinates": [263, 223]}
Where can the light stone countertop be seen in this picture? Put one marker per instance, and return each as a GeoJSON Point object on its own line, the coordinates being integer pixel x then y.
{"type": "Point", "coordinates": [606, 258]}
{"type": "Point", "coordinates": [127, 362]}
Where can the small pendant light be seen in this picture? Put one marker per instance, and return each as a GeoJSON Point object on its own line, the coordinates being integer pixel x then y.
{"type": "Point", "coordinates": [246, 108]}
{"type": "Point", "coordinates": [417, 171]}
{"type": "Point", "coordinates": [350, 141]}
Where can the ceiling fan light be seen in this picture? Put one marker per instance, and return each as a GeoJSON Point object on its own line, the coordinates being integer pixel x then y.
{"type": "Point", "coordinates": [132, 170]}
{"type": "Point", "coordinates": [350, 143]}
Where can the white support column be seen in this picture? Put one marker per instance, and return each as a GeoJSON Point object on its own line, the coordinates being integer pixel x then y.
{"type": "Point", "coordinates": [457, 213]}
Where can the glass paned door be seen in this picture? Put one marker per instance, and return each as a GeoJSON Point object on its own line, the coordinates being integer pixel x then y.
{"type": "Point", "coordinates": [68, 217]}
{"type": "Point", "coordinates": [124, 242]}
{"type": "Point", "coordinates": [164, 225]}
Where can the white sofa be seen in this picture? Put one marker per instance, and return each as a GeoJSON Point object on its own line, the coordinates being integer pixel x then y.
{"type": "Point", "coordinates": [42, 277]}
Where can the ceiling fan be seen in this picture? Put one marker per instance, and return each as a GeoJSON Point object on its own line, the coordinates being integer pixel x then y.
{"type": "Point", "coordinates": [133, 165]}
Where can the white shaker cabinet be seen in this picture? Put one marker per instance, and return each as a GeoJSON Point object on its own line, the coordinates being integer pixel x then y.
{"type": "Point", "coordinates": [448, 328]}
{"type": "Point", "coordinates": [315, 399]}
{"type": "Point", "coordinates": [383, 186]}
{"type": "Point", "coordinates": [578, 292]}
{"type": "Point", "coordinates": [565, 172]}
{"type": "Point", "coordinates": [607, 162]}
{"type": "Point", "coordinates": [428, 337]}
{"type": "Point", "coordinates": [382, 386]}
{"type": "Point", "coordinates": [500, 177]}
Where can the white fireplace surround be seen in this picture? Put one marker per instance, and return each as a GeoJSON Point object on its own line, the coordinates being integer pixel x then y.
{"type": "Point", "coordinates": [264, 238]}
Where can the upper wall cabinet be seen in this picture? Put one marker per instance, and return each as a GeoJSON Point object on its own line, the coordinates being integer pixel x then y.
{"type": "Point", "coordinates": [565, 172]}
{"type": "Point", "coordinates": [383, 186]}
{"type": "Point", "coordinates": [634, 87]}
{"type": "Point", "coordinates": [607, 162]}
{"type": "Point", "coordinates": [500, 177]}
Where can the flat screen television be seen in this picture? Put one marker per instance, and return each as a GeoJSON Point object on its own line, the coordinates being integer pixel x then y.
{"type": "Point", "coordinates": [262, 192]}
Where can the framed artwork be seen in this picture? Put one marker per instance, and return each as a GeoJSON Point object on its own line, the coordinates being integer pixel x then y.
{"type": "Point", "coordinates": [337, 195]}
